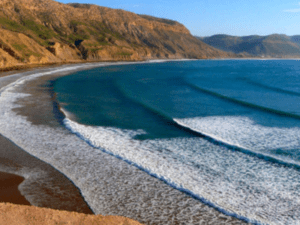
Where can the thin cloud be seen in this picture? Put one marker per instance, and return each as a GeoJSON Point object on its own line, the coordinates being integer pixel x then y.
{"type": "Point", "coordinates": [293, 10]}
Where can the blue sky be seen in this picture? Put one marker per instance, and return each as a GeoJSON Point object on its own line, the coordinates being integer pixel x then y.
{"type": "Point", "coordinates": [209, 17]}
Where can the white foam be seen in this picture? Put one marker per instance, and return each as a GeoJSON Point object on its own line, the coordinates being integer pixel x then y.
{"type": "Point", "coordinates": [232, 181]}
{"type": "Point", "coordinates": [109, 185]}
{"type": "Point", "coordinates": [244, 133]}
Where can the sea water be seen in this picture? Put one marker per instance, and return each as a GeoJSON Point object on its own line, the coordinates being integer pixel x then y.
{"type": "Point", "coordinates": [225, 132]}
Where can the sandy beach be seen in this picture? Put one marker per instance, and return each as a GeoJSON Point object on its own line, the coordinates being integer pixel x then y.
{"type": "Point", "coordinates": [16, 161]}
{"type": "Point", "coordinates": [16, 164]}
{"type": "Point", "coordinates": [58, 192]}
{"type": "Point", "coordinates": [23, 215]}
{"type": "Point", "coordinates": [21, 164]}
{"type": "Point", "coordinates": [67, 200]}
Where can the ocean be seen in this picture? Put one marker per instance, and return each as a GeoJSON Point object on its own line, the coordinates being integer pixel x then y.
{"type": "Point", "coordinates": [164, 142]}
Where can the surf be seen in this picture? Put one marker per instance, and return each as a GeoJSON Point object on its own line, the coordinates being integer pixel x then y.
{"type": "Point", "coordinates": [196, 162]}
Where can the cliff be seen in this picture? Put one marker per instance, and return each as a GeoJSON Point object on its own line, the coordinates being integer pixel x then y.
{"type": "Point", "coordinates": [275, 45]}
{"type": "Point", "coordinates": [45, 31]}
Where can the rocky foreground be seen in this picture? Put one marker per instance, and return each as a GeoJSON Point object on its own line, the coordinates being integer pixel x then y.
{"type": "Point", "coordinates": [21, 215]}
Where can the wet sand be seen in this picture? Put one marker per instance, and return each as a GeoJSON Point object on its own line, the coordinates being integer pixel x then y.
{"type": "Point", "coordinates": [58, 192]}
{"type": "Point", "coordinates": [40, 177]}
{"type": "Point", "coordinates": [9, 191]}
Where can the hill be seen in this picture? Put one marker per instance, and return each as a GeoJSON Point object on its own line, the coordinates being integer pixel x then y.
{"type": "Point", "coordinates": [275, 45]}
{"type": "Point", "coordinates": [45, 31]}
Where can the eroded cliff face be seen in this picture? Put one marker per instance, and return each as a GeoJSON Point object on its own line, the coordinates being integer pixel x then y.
{"type": "Point", "coordinates": [45, 31]}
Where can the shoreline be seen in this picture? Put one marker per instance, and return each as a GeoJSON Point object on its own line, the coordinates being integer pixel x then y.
{"type": "Point", "coordinates": [33, 112]}
{"type": "Point", "coordinates": [26, 67]}
{"type": "Point", "coordinates": [9, 191]}
{"type": "Point", "coordinates": [31, 172]}
{"type": "Point", "coordinates": [21, 172]}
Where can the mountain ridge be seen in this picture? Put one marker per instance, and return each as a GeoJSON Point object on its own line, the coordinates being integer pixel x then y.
{"type": "Point", "coordinates": [274, 45]}
{"type": "Point", "coordinates": [46, 31]}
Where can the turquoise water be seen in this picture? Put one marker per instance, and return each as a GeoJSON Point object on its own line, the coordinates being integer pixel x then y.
{"type": "Point", "coordinates": [229, 128]}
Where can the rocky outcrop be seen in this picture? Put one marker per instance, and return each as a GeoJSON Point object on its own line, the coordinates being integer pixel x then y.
{"type": "Point", "coordinates": [65, 52]}
{"type": "Point", "coordinates": [23, 215]}
{"type": "Point", "coordinates": [45, 31]}
{"type": "Point", "coordinates": [23, 49]}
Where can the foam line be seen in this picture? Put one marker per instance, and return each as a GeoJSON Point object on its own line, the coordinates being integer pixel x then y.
{"type": "Point", "coordinates": [242, 134]}
{"type": "Point", "coordinates": [105, 181]}
{"type": "Point", "coordinates": [233, 182]}
{"type": "Point", "coordinates": [174, 161]}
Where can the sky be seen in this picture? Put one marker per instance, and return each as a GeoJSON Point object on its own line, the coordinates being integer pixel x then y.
{"type": "Point", "coordinates": [210, 17]}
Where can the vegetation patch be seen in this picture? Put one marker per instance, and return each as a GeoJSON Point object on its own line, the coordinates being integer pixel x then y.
{"type": "Point", "coordinates": [19, 47]}
{"type": "Point", "coordinates": [117, 35]}
{"type": "Point", "coordinates": [25, 51]}
{"type": "Point", "coordinates": [38, 29]}
{"type": "Point", "coordinates": [124, 53]}
{"type": "Point", "coordinates": [75, 23]}
{"type": "Point", "coordinates": [103, 43]}
{"type": "Point", "coordinates": [30, 28]}
{"type": "Point", "coordinates": [93, 50]}
{"type": "Point", "coordinates": [29, 53]}
{"type": "Point", "coordinates": [11, 25]}
{"type": "Point", "coordinates": [103, 30]}
{"type": "Point", "coordinates": [75, 37]}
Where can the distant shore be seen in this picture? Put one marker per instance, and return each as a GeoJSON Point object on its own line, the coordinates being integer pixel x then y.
{"type": "Point", "coordinates": [23, 67]}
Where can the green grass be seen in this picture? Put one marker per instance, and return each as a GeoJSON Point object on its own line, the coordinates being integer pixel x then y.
{"type": "Point", "coordinates": [93, 50]}
{"type": "Point", "coordinates": [39, 30]}
{"type": "Point", "coordinates": [75, 37]}
{"type": "Point", "coordinates": [42, 34]}
{"type": "Point", "coordinates": [11, 25]}
{"type": "Point", "coordinates": [28, 27]}
{"type": "Point", "coordinates": [19, 47]}
{"type": "Point", "coordinates": [117, 35]}
{"type": "Point", "coordinates": [75, 23]}
{"type": "Point", "coordinates": [26, 53]}
{"type": "Point", "coordinates": [124, 53]}
{"type": "Point", "coordinates": [91, 45]}
{"type": "Point", "coordinates": [103, 30]}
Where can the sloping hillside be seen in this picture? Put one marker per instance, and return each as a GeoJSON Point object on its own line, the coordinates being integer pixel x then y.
{"type": "Point", "coordinates": [275, 45]}
{"type": "Point", "coordinates": [296, 39]}
{"type": "Point", "coordinates": [45, 31]}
